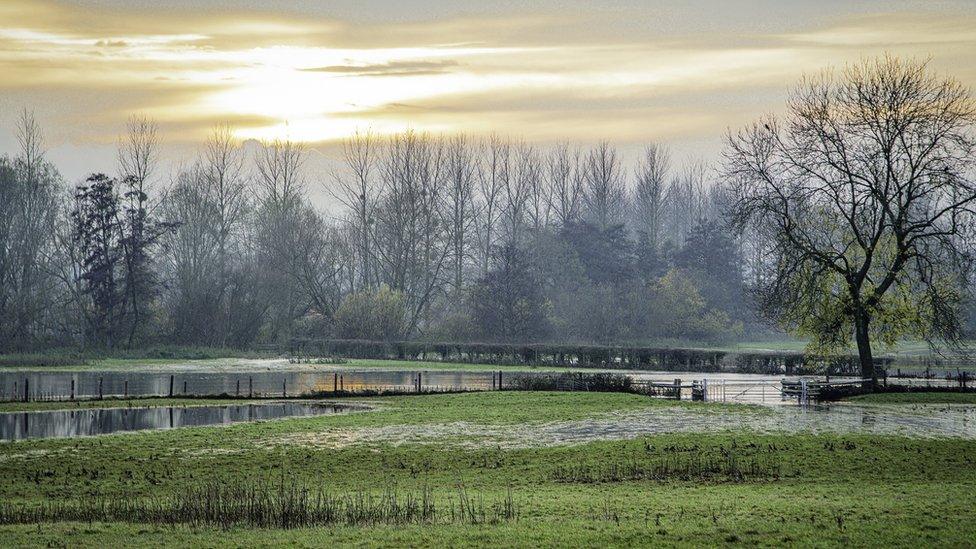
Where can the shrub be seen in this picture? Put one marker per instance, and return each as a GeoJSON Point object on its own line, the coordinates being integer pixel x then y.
{"type": "Point", "coordinates": [378, 315]}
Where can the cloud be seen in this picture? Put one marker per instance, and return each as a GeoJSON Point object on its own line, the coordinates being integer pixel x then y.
{"type": "Point", "coordinates": [392, 68]}
{"type": "Point", "coordinates": [111, 43]}
{"type": "Point", "coordinates": [561, 74]}
{"type": "Point", "coordinates": [888, 30]}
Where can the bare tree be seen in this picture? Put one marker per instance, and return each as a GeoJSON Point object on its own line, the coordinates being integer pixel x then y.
{"type": "Point", "coordinates": [462, 171]}
{"type": "Point", "coordinates": [226, 183]}
{"type": "Point", "coordinates": [864, 194]}
{"type": "Point", "coordinates": [522, 172]}
{"type": "Point", "coordinates": [138, 155]}
{"type": "Point", "coordinates": [411, 239]}
{"type": "Point", "coordinates": [226, 189]}
{"type": "Point", "coordinates": [280, 190]}
{"type": "Point", "coordinates": [192, 260]}
{"type": "Point", "coordinates": [357, 191]}
{"type": "Point", "coordinates": [651, 194]}
{"type": "Point", "coordinates": [138, 150]}
{"type": "Point", "coordinates": [604, 196]}
{"type": "Point", "coordinates": [279, 168]}
{"type": "Point", "coordinates": [28, 210]}
{"type": "Point", "coordinates": [496, 164]}
{"type": "Point", "coordinates": [564, 175]}
{"type": "Point", "coordinates": [539, 199]}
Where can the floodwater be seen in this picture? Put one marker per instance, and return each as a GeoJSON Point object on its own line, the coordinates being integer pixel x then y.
{"type": "Point", "coordinates": [52, 385]}
{"type": "Point", "coordinates": [916, 421]}
{"type": "Point", "coordinates": [272, 378]}
{"type": "Point", "coordinates": [100, 421]}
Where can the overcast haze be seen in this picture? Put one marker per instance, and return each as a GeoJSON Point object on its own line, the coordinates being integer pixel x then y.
{"type": "Point", "coordinates": [631, 72]}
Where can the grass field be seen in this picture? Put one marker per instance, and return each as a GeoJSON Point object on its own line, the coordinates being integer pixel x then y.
{"type": "Point", "coordinates": [910, 355]}
{"type": "Point", "coordinates": [917, 398]}
{"type": "Point", "coordinates": [687, 489]}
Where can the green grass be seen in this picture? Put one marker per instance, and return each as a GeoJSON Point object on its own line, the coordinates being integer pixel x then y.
{"type": "Point", "coordinates": [467, 366]}
{"type": "Point", "coordinates": [910, 355]}
{"type": "Point", "coordinates": [75, 359]}
{"type": "Point", "coordinates": [830, 490]}
{"type": "Point", "coordinates": [917, 398]}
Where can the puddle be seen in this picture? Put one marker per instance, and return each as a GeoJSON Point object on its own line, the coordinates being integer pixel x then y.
{"type": "Point", "coordinates": [100, 421]}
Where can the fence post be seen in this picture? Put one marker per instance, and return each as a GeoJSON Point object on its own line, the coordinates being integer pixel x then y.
{"type": "Point", "coordinates": [284, 388]}
{"type": "Point", "coordinates": [26, 389]}
{"type": "Point", "coordinates": [335, 382]}
{"type": "Point", "coordinates": [238, 393]}
{"type": "Point", "coordinates": [704, 390]}
{"type": "Point", "coordinates": [184, 387]}
{"type": "Point", "coordinates": [72, 388]}
{"type": "Point", "coordinates": [101, 393]}
{"type": "Point", "coordinates": [250, 387]}
{"type": "Point", "coordinates": [125, 388]}
{"type": "Point", "coordinates": [171, 381]}
{"type": "Point", "coordinates": [677, 388]}
{"type": "Point", "coordinates": [342, 385]}
{"type": "Point", "coordinates": [499, 380]}
{"type": "Point", "coordinates": [420, 382]}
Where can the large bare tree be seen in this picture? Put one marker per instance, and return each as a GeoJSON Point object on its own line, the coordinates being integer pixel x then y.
{"type": "Point", "coordinates": [864, 193]}
{"type": "Point", "coordinates": [411, 236]}
{"type": "Point", "coordinates": [357, 190]}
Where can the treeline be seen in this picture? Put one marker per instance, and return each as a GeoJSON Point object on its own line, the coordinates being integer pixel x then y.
{"type": "Point", "coordinates": [440, 238]}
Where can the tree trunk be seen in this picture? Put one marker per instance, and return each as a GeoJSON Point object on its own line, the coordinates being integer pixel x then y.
{"type": "Point", "coordinates": [863, 339]}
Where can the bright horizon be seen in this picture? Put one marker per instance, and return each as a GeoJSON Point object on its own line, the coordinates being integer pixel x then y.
{"type": "Point", "coordinates": [630, 72]}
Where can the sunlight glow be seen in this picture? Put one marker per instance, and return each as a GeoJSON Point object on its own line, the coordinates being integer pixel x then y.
{"type": "Point", "coordinates": [314, 80]}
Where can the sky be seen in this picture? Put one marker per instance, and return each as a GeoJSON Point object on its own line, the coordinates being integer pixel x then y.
{"type": "Point", "coordinates": [675, 72]}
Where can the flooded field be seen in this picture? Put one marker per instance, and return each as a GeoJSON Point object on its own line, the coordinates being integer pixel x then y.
{"type": "Point", "coordinates": [100, 421]}
{"type": "Point", "coordinates": [910, 420]}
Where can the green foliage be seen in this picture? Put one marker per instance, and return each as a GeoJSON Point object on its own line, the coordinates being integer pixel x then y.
{"type": "Point", "coordinates": [680, 311]}
{"type": "Point", "coordinates": [378, 314]}
{"type": "Point", "coordinates": [825, 313]}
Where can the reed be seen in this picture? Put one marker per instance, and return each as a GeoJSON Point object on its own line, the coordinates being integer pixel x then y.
{"type": "Point", "coordinates": [728, 466]}
{"type": "Point", "coordinates": [269, 505]}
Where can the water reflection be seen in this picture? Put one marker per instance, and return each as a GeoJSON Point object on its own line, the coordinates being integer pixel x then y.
{"type": "Point", "coordinates": [47, 385]}
{"type": "Point", "coordinates": [99, 421]}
